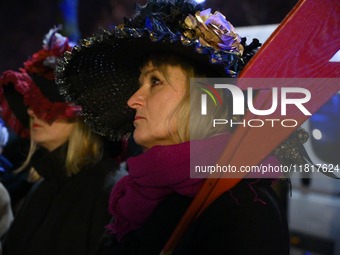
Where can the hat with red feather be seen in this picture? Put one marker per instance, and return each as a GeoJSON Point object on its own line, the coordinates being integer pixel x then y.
{"type": "Point", "coordinates": [33, 87]}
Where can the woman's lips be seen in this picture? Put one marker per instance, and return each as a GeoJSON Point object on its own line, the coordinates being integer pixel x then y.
{"type": "Point", "coordinates": [138, 118]}
{"type": "Point", "coordinates": [35, 125]}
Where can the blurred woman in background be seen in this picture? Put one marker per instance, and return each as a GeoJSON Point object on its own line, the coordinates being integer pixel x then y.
{"type": "Point", "coordinates": [65, 212]}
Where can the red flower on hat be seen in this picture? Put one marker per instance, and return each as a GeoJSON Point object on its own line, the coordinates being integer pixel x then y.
{"type": "Point", "coordinates": [35, 65]}
{"type": "Point", "coordinates": [43, 62]}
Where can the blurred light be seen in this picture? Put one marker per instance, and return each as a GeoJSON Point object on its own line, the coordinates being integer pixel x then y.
{"type": "Point", "coordinates": [317, 134]}
{"type": "Point", "coordinates": [199, 1]}
{"type": "Point", "coordinates": [324, 130]}
{"type": "Point", "coordinates": [69, 12]}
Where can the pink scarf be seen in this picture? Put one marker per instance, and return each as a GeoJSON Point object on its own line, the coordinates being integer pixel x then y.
{"type": "Point", "coordinates": [155, 175]}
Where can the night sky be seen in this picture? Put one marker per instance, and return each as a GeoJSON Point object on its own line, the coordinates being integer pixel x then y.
{"type": "Point", "coordinates": [24, 23]}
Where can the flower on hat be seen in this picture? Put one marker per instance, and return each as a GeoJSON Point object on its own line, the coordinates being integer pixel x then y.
{"type": "Point", "coordinates": [55, 42]}
{"type": "Point", "coordinates": [212, 30]}
{"type": "Point", "coordinates": [43, 62]}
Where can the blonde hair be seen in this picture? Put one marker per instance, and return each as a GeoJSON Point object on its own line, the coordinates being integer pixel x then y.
{"type": "Point", "coordinates": [186, 115]}
{"type": "Point", "coordinates": [81, 137]}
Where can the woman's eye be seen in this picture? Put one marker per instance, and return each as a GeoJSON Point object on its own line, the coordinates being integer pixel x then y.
{"type": "Point", "coordinates": [155, 81]}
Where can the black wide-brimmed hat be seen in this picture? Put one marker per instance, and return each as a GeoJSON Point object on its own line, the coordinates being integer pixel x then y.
{"type": "Point", "coordinates": [101, 74]}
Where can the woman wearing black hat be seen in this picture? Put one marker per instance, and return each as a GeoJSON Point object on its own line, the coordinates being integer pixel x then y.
{"type": "Point", "coordinates": [152, 58]}
{"type": "Point", "coordinates": [66, 210]}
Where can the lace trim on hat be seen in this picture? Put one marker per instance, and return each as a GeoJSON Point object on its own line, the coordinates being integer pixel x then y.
{"type": "Point", "coordinates": [45, 109]}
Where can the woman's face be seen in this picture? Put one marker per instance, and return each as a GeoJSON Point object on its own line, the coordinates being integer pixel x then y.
{"type": "Point", "coordinates": [50, 136]}
{"type": "Point", "coordinates": [154, 101]}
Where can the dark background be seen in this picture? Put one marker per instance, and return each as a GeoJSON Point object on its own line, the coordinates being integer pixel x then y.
{"type": "Point", "coordinates": [25, 22]}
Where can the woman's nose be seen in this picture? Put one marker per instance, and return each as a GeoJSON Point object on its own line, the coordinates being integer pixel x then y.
{"type": "Point", "coordinates": [136, 100]}
{"type": "Point", "coordinates": [30, 112]}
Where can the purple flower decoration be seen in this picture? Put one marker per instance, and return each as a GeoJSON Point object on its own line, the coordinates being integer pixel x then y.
{"type": "Point", "coordinates": [213, 30]}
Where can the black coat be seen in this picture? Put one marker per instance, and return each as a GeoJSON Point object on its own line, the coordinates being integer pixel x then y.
{"type": "Point", "coordinates": [63, 215]}
{"type": "Point", "coordinates": [226, 227]}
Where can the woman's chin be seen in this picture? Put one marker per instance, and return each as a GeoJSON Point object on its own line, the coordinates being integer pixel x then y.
{"type": "Point", "coordinates": [37, 139]}
{"type": "Point", "coordinates": [138, 139]}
